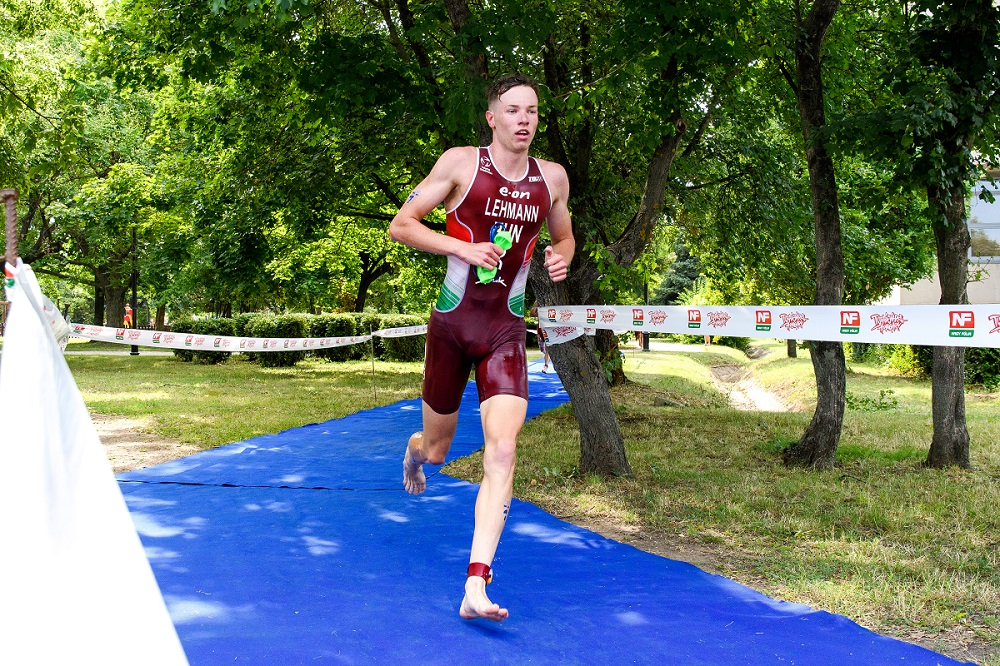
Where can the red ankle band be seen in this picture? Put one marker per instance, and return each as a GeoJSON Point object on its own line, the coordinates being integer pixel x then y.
{"type": "Point", "coordinates": [481, 570]}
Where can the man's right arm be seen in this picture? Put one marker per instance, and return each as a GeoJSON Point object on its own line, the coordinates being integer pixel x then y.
{"type": "Point", "coordinates": [449, 174]}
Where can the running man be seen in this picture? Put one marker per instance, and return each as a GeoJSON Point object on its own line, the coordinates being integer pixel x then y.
{"type": "Point", "coordinates": [495, 197]}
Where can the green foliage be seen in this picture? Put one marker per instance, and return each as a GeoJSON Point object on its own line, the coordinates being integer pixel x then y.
{"type": "Point", "coordinates": [207, 327]}
{"type": "Point", "coordinates": [280, 326]}
{"type": "Point", "coordinates": [982, 365]}
{"type": "Point", "coordinates": [211, 328]}
{"type": "Point", "coordinates": [340, 325]}
{"type": "Point", "coordinates": [679, 278]}
{"type": "Point", "coordinates": [183, 325]}
{"type": "Point", "coordinates": [739, 343]}
{"type": "Point", "coordinates": [886, 401]}
{"type": "Point", "coordinates": [408, 348]}
{"type": "Point", "coordinates": [907, 360]}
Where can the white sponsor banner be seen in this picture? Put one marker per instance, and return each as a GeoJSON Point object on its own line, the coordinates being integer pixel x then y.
{"type": "Point", "coordinates": [228, 343]}
{"type": "Point", "coordinates": [77, 585]}
{"type": "Point", "coordinates": [940, 325]}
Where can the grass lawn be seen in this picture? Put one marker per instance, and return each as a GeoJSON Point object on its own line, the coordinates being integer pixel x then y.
{"type": "Point", "coordinates": [211, 405]}
{"type": "Point", "coordinates": [901, 549]}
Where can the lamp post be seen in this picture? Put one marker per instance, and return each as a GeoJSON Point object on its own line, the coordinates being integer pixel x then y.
{"type": "Point", "coordinates": [135, 280]}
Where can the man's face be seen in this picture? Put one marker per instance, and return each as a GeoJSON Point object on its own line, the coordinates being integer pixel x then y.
{"type": "Point", "coordinates": [514, 118]}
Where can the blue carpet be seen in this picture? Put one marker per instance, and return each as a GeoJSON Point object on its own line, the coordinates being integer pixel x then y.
{"type": "Point", "coordinates": [303, 548]}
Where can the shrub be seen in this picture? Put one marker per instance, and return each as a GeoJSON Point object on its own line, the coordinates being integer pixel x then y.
{"type": "Point", "coordinates": [241, 323]}
{"type": "Point", "coordinates": [335, 326]}
{"type": "Point", "coordinates": [366, 323]}
{"type": "Point", "coordinates": [409, 348]}
{"type": "Point", "coordinates": [212, 328]}
{"type": "Point", "coordinates": [183, 325]}
{"type": "Point", "coordinates": [982, 365]}
{"type": "Point", "coordinates": [281, 326]}
{"type": "Point", "coordinates": [738, 343]}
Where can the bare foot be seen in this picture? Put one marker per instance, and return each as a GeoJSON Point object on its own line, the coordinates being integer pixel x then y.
{"type": "Point", "coordinates": [477, 605]}
{"type": "Point", "coordinates": [413, 475]}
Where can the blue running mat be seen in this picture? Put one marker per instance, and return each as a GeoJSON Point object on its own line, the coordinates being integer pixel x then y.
{"type": "Point", "coordinates": [303, 548]}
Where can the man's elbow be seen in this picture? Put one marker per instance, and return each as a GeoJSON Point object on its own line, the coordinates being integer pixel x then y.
{"type": "Point", "coordinates": [396, 229]}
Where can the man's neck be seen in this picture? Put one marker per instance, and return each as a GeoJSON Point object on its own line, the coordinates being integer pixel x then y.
{"type": "Point", "coordinates": [511, 164]}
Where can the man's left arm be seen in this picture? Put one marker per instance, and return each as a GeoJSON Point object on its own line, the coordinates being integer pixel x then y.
{"type": "Point", "coordinates": [560, 253]}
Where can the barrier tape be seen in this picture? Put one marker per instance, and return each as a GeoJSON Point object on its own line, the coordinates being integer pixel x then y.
{"type": "Point", "coordinates": [228, 343]}
{"type": "Point", "coordinates": [940, 325]}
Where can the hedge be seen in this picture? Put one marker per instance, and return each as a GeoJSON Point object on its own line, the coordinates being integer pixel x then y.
{"type": "Point", "coordinates": [280, 326]}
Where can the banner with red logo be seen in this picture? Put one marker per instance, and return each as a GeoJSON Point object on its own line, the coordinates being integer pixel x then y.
{"type": "Point", "coordinates": [940, 325]}
{"type": "Point", "coordinates": [192, 341]}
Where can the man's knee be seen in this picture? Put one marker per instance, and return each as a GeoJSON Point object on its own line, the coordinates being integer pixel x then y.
{"type": "Point", "coordinates": [500, 455]}
{"type": "Point", "coordinates": [435, 449]}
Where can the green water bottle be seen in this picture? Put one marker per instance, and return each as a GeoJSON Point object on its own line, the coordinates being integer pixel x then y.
{"type": "Point", "coordinates": [505, 241]}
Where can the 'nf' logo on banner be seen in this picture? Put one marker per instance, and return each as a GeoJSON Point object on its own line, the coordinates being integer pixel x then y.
{"type": "Point", "coordinates": [763, 320]}
{"type": "Point", "coordinates": [850, 322]}
{"type": "Point", "coordinates": [694, 318]}
{"type": "Point", "coordinates": [637, 317]}
{"type": "Point", "coordinates": [591, 315]}
{"type": "Point", "coordinates": [961, 324]}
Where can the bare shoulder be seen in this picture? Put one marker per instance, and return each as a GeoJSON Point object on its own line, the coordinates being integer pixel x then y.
{"type": "Point", "coordinates": [457, 161]}
{"type": "Point", "coordinates": [554, 174]}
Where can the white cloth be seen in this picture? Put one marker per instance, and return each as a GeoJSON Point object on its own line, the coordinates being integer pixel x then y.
{"type": "Point", "coordinates": [75, 585]}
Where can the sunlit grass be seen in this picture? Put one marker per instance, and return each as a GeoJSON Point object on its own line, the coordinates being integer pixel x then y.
{"type": "Point", "coordinates": [210, 405]}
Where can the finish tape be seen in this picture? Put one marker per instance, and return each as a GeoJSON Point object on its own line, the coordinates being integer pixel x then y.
{"type": "Point", "coordinates": [940, 325]}
{"type": "Point", "coordinates": [228, 343]}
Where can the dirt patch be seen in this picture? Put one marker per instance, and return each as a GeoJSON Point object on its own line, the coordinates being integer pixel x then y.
{"type": "Point", "coordinates": [672, 546]}
{"type": "Point", "coordinates": [743, 391]}
{"type": "Point", "coordinates": [128, 446]}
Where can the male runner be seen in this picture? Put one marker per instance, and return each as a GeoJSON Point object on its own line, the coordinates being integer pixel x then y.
{"type": "Point", "coordinates": [497, 193]}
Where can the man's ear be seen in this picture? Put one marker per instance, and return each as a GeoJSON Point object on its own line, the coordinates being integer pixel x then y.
{"type": "Point", "coordinates": [489, 119]}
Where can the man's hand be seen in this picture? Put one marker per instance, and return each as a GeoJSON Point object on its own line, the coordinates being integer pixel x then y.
{"type": "Point", "coordinates": [555, 264]}
{"type": "Point", "coordinates": [486, 255]}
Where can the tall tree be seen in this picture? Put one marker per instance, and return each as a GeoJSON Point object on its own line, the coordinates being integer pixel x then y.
{"type": "Point", "coordinates": [951, 90]}
{"type": "Point", "coordinates": [818, 446]}
{"type": "Point", "coordinates": [940, 128]}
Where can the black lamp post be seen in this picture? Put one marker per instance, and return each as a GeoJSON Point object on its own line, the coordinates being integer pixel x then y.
{"type": "Point", "coordinates": [135, 301]}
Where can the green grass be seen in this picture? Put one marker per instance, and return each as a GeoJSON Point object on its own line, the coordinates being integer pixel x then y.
{"type": "Point", "coordinates": [210, 405]}
{"type": "Point", "coordinates": [905, 550]}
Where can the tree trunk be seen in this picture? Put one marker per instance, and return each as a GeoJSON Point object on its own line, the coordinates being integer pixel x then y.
{"type": "Point", "coordinates": [950, 443]}
{"type": "Point", "coordinates": [602, 447]}
{"type": "Point", "coordinates": [791, 348]}
{"type": "Point", "coordinates": [114, 298]}
{"type": "Point", "coordinates": [371, 270]}
{"type": "Point", "coordinates": [818, 445]}
{"type": "Point", "coordinates": [99, 283]}
{"type": "Point", "coordinates": [161, 317]}
{"type": "Point", "coordinates": [610, 355]}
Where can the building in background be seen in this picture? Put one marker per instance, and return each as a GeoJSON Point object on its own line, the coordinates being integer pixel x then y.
{"type": "Point", "coordinates": [984, 256]}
